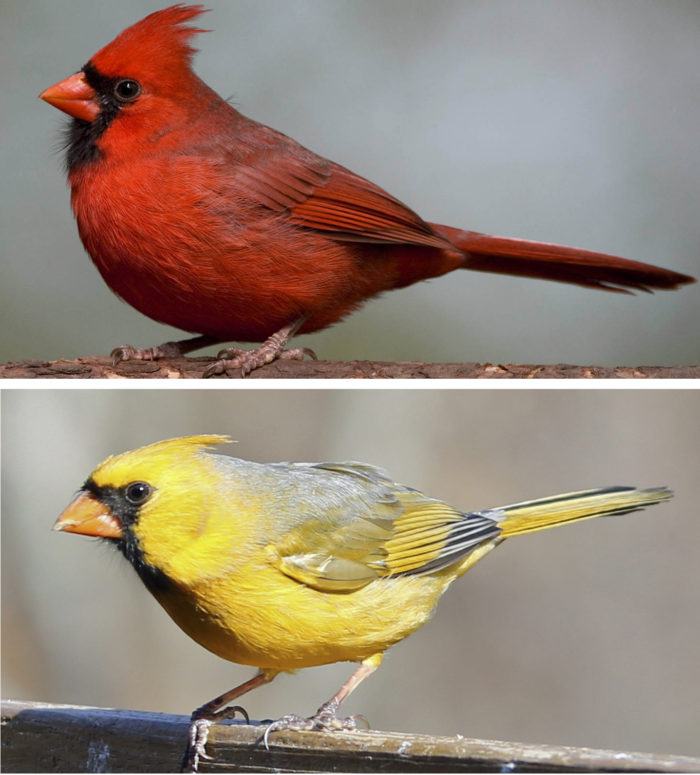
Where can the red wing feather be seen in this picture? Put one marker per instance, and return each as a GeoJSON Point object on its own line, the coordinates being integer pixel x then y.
{"type": "Point", "coordinates": [318, 194]}
{"type": "Point", "coordinates": [351, 208]}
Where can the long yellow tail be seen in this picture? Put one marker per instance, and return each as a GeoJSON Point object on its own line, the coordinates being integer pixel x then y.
{"type": "Point", "coordinates": [541, 514]}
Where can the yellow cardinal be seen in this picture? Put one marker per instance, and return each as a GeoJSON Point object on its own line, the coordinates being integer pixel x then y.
{"type": "Point", "coordinates": [289, 565]}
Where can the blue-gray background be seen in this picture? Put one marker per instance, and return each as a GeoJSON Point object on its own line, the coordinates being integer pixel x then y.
{"type": "Point", "coordinates": [558, 120]}
{"type": "Point", "coordinates": [583, 635]}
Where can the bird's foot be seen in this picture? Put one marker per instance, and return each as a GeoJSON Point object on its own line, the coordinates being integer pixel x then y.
{"type": "Point", "coordinates": [200, 724]}
{"type": "Point", "coordinates": [165, 350]}
{"type": "Point", "coordinates": [324, 720]}
{"type": "Point", "coordinates": [249, 360]}
{"type": "Point", "coordinates": [128, 353]}
{"type": "Point", "coordinates": [270, 350]}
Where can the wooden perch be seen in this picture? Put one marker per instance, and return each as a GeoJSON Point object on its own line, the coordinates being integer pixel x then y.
{"type": "Point", "coordinates": [193, 368]}
{"type": "Point", "coordinates": [39, 737]}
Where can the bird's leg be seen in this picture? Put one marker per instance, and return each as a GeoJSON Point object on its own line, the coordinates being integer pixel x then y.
{"type": "Point", "coordinates": [326, 718]}
{"type": "Point", "coordinates": [213, 712]}
{"type": "Point", "coordinates": [270, 350]}
{"type": "Point", "coordinates": [166, 350]}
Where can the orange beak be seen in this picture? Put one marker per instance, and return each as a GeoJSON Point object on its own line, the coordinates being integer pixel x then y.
{"type": "Point", "coordinates": [87, 516]}
{"type": "Point", "coordinates": [73, 96]}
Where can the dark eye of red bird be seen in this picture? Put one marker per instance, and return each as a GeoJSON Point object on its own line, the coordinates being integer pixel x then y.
{"type": "Point", "coordinates": [127, 90]}
{"type": "Point", "coordinates": [138, 492]}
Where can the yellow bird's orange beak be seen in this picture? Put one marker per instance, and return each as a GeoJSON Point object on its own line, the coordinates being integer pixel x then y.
{"type": "Point", "coordinates": [73, 96]}
{"type": "Point", "coordinates": [87, 516]}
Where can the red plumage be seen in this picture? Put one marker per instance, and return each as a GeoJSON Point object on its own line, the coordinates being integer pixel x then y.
{"type": "Point", "coordinates": [208, 221]}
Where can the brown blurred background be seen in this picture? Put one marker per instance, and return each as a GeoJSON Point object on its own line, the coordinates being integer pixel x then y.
{"type": "Point", "coordinates": [583, 635]}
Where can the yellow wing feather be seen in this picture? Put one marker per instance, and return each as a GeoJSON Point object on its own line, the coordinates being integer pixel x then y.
{"type": "Point", "coordinates": [421, 533]}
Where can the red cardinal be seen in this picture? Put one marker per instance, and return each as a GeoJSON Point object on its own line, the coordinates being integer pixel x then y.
{"type": "Point", "coordinates": [208, 221]}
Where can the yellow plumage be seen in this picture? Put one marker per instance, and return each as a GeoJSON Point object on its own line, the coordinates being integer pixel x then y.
{"type": "Point", "coordinates": [289, 565]}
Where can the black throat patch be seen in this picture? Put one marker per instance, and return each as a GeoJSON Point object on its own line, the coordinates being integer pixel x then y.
{"type": "Point", "coordinates": [114, 499]}
{"type": "Point", "coordinates": [81, 137]}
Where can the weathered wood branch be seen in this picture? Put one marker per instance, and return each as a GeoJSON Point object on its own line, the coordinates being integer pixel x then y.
{"type": "Point", "coordinates": [193, 368]}
{"type": "Point", "coordinates": [63, 738]}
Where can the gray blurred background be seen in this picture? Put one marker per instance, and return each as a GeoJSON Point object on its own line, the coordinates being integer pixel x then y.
{"type": "Point", "coordinates": [556, 120]}
{"type": "Point", "coordinates": [583, 635]}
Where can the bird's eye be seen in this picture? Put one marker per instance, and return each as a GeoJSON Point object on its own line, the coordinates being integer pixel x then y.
{"type": "Point", "coordinates": [127, 90]}
{"type": "Point", "coordinates": [138, 492]}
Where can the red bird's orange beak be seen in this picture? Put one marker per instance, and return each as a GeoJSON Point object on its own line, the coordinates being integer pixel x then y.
{"type": "Point", "coordinates": [87, 516]}
{"type": "Point", "coordinates": [73, 96]}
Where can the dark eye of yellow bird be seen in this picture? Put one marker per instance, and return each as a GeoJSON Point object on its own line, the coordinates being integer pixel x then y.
{"type": "Point", "coordinates": [138, 492]}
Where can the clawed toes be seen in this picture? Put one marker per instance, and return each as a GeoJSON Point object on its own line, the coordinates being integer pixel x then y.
{"type": "Point", "coordinates": [223, 366]}
{"type": "Point", "coordinates": [357, 719]}
{"type": "Point", "coordinates": [128, 353]}
{"type": "Point", "coordinates": [330, 722]}
{"type": "Point", "coordinates": [216, 368]}
{"type": "Point", "coordinates": [250, 360]}
{"type": "Point", "coordinates": [120, 354]}
{"type": "Point", "coordinates": [321, 722]}
{"type": "Point", "coordinates": [198, 735]}
{"type": "Point", "coordinates": [290, 721]}
{"type": "Point", "coordinates": [230, 353]}
{"type": "Point", "coordinates": [297, 354]}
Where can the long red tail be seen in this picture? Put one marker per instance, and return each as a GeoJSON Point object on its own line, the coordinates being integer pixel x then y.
{"type": "Point", "coordinates": [554, 262]}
